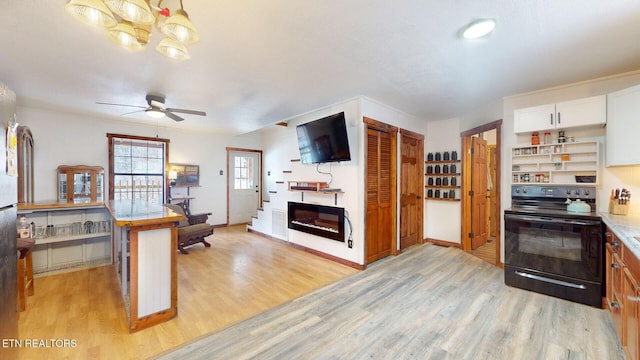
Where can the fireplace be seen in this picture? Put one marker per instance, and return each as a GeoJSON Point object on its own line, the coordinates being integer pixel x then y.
{"type": "Point", "coordinates": [325, 221]}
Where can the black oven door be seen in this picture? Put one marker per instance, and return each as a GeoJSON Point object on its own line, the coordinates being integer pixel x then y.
{"type": "Point", "coordinates": [555, 256]}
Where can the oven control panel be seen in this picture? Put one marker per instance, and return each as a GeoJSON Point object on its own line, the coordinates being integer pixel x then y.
{"type": "Point", "coordinates": [572, 192]}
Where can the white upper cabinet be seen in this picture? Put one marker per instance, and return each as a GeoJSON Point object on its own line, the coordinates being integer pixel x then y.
{"type": "Point", "coordinates": [566, 114]}
{"type": "Point", "coordinates": [623, 127]}
{"type": "Point", "coordinates": [534, 118]}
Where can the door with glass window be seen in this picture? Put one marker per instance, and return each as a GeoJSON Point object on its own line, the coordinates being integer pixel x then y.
{"type": "Point", "coordinates": [243, 185]}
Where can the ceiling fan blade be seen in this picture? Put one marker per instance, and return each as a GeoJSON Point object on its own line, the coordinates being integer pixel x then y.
{"type": "Point", "coordinates": [133, 112]}
{"type": "Point", "coordinates": [173, 116]}
{"type": "Point", "coordinates": [185, 111]}
{"type": "Point", "coordinates": [135, 106]}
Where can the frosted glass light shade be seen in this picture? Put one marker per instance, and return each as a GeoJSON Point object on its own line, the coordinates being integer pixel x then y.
{"type": "Point", "coordinates": [136, 11]}
{"type": "Point", "coordinates": [478, 29]}
{"type": "Point", "coordinates": [124, 35]}
{"type": "Point", "coordinates": [180, 28]}
{"type": "Point", "coordinates": [156, 114]}
{"type": "Point", "coordinates": [91, 12]}
{"type": "Point", "coordinates": [173, 49]}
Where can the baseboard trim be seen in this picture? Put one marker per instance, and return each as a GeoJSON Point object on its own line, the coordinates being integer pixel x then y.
{"type": "Point", "coordinates": [443, 243]}
{"type": "Point", "coordinates": [309, 250]}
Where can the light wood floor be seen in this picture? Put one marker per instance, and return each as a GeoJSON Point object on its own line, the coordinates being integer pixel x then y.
{"type": "Point", "coordinates": [486, 252]}
{"type": "Point", "coordinates": [430, 302]}
{"type": "Point", "coordinates": [240, 276]}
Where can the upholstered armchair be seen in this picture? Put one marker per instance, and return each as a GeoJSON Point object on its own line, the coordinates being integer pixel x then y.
{"type": "Point", "coordinates": [193, 230]}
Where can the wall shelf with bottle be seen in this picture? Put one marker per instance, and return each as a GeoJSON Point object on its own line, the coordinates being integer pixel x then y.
{"type": "Point", "coordinates": [567, 163]}
{"type": "Point", "coordinates": [68, 236]}
{"type": "Point", "coordinates": [443, 176]}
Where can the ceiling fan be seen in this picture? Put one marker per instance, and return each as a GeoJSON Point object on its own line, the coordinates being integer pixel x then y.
{"type": "Point", "coordinates": [156, 108]}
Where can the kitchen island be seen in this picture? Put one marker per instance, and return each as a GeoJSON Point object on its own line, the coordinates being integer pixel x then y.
{"type": "Point", "coordinates": [145, 239]}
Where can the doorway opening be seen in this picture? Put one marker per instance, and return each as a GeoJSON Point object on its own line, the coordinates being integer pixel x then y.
{"type": "Point", "coordinates": [481, 192]}
{"type": "Point", "coordinates": [244, 184]}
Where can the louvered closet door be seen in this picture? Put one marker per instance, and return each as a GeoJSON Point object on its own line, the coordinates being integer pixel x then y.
{"type": "Point", "coordinates": [379, 191]}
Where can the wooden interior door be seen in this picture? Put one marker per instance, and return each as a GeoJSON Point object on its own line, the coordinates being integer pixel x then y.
{"type": "Point", "coordinates": [380, 204]}
{"type": "Point", "coordinates": [479, 173]}
{"type": "Point", "coordinates": [411, 188]}
{"type": "Point", "coordinates": [492, 206]}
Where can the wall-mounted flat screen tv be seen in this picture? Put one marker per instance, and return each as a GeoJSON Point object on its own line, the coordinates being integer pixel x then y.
{"type": "Point", "coordinates": [324, 140]}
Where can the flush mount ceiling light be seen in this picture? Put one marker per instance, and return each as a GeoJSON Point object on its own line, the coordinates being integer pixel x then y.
{"type": "Point", "coordinates": [479, 28]}
{"type": "Point", "coordinates": [129, 24]}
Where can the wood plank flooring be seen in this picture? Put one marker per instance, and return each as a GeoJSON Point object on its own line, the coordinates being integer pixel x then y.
{"type": "Point", "coordinates": [240, 276]}
{"type": "Point", "coordinates": [486, 252]}
{"type": "Point", "coordinates": [430, 302]}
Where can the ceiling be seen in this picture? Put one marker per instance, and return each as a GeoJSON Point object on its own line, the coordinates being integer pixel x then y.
{"type": "Point", "coordinates": [260, 62]}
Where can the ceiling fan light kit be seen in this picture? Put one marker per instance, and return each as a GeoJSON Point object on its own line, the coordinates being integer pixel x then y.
{"type": "Point", "coordinates": [157, 110]}
{"type": "Point", "coordinates": [129, 24]}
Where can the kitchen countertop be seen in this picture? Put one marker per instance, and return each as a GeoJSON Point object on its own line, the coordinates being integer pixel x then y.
{"type": "Point", "coordinates": [139, 213]}
{"type": "Point", "coordinates": [625, 228]}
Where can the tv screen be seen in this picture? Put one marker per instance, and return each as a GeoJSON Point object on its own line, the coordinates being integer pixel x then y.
{"type": "Point", "coordinates": [324, 140]}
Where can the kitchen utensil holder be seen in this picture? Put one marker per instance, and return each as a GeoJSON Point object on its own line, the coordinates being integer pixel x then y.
{"type": "Point", "coordinates": [618, 209]}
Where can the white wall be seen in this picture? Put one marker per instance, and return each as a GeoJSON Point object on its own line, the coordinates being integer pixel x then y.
{"type": "Point", "coordinates": [443, 218]}
{"type": "Point", "coordinates": [71, 139]}
{"type": "Point", "coordinates": [280, 146]}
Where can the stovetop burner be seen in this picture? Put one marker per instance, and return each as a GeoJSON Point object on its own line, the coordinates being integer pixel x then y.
{"type": "Point", "coordinates": [550, 200]}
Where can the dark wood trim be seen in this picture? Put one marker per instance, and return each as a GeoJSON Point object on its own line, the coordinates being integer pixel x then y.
{"type": "Point", "coordinates": [309, 250]}
{"type": "Point", "coordinates": [443, 243]}
{"type": "Point", "coordinates": [482, 128]}
{"type": "Point", "coordinates": [260, 180]}
{"type": "Point", "coordinates": [466, 184]}
{"type": "Point", "coordinates": [378, 125]}
{"type": "Point", "coordinates": [412, 134]}
{"type": "Point", "coordinates": [111, 136]}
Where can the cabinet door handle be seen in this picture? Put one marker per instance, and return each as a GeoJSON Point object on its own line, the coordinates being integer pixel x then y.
{"type": "Point", "coordinates": [551, 119]}
{"type": "Point", "coordinates": [614, 266]}
{"type": "Point", "coordinates": [607, 234]}
{"type": "Point", "coordinates": [558, 117]}
{"type": "Point", "coordinates": [615, 243]}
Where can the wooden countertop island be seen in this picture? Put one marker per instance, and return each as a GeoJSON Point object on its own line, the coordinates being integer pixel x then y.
{"type": "Point", "coordinates": [145, 242]}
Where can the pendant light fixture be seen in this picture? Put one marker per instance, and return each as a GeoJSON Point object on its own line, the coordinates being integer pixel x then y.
{"type": "Point", "coordinates": [179, 27]}
{"type": "Point", "coordinates": [129, 23]}
{"type": "Point", "coordinates": [136, 11]}
{"type": "Point", "coordinates": [173, 49]}
{"type": "Point", "coordinates": [125, 35]}
{"type": "Point", "coordinates": [91, 12]}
